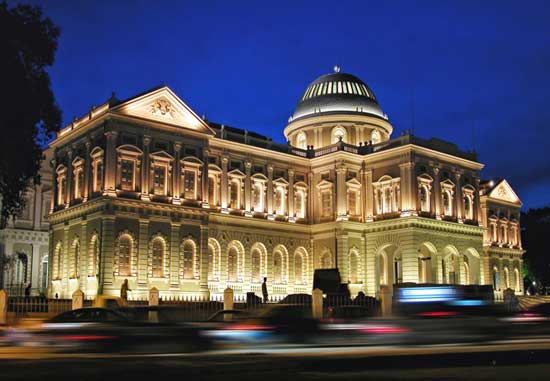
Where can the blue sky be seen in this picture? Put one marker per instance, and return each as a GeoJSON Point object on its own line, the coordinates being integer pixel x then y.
{"type": "Point", "coordinates": [478, 70]}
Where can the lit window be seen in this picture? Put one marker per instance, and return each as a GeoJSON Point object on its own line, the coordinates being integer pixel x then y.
{"type": "Point", "coordinates": [189, 183]}
{"type": "Point", "coordinates": [211, 263]}
{"type": "Point", "coordinates": [447, 203]}
{"type": "Point", "coordinates": [301, 140]}
{"type": "Point", "coordinates": [159, 181]}
{"type": "Point", "coordinates": [257, 197]}
{"type": "Point", "coordinates": [256, 262]}
{"type": "Point", "coordinates": [124, 256]}
{"type": "Point", "coordinates": [326, 203]}
{"type": "Point", "coordinates": [98, 175]}
{"type": "Point", "coordinates": [127, 175]}
{"type": "Point", "coordinates": [232, 264]}
{"type": "Point", "coordinates": [234, 195]}
{"type": "Point", "coordinates": [375, 137]}
{"type": "Point", "coordinates": [300, 204]}
{"type": "Point", "coordinates": [298, 269]}
{"type": "Point", "coordinates": [158, 258]}
{"type": "Point", "coordinates": [280, 200]}
{"type": "Point", "coordinates": [424, 199]}
{"type": "Point", "coordinates": [188, 260]}
{"type": "Point", "coordinates": [338, 134]}
{"type": "Point", "coordinates": [94, 257]}
{"type": "Point", "coordinates": [339, 87]}
{"type": "Point", "coordinates": [354, 267]}
{"type": "Point", "coordinates": [277, 267]}
{"type": "Point", "coordinates": [352, 202]}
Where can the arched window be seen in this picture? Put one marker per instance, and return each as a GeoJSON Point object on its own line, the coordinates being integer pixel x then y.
{"type": "Point", "coordinates": [301, 141]}
{"type": "Point", "coordinates": [496, 285]}
{"type": "Point", "coordinates": [214, 253]}
{"type": "Point", "coordinates": [300, 204]}
{"type": "Point", "coordinates": [188, 259]}
{"type": "Point", "coordinates": [93, 265]}
{"type": "Point", "coordinates": [56, 265]}
{"type": "Point", "coordinates": [339, 134]}
{"type": "Point", "coordinates": [517, 279]}
{"type": "Point", "coordinates": [257, 197]}
{"type": "Point", "coordinates": [158, 255]}
{"type": "Point", "coordinates": [125, 255]}
{"type": "Point", "coordinates": [506, 278]}
{"type": "Point", "coordinates": [235, 194]}
{"type": "Point", "coordinates": [447, 203]}
{"type": "Point", "coordinates": [326, 260]}
{"type": "Point", "coordinates": [468, 210]}
{"type": "Point", "coordinates": [277, 267]}
{"type": "Point", "coordinates": [466, 268]}
{"type": "Point", "coordinates": [211, 260]}
{"type": "Point", "coordinates": [375, 137]}
{"type": "Point", "coordinates": [354, 267]}
{"type": "Point", "coordinates": [299, 268]}
{"type": "Point", "coordinates": [75, 258]}
{"type": "Point", "coordinates": [424, 199]}
{"type": "Point", "coordinates": [256, 263]}
{"type": "Point", "coordinates": [232, 264]}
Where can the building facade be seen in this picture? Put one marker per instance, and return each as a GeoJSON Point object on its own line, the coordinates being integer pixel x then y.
{"type": "Point", "coordinates": [145, 190]}
{"type": "Point", "coordinates": [24, 242]}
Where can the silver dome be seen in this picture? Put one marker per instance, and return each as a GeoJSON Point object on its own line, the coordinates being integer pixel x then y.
{"type": "Point", "coordinates": [337, 93]}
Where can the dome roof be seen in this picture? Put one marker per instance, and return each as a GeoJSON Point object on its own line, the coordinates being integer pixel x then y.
{"type": "Point", "coordinates": [337, 93]}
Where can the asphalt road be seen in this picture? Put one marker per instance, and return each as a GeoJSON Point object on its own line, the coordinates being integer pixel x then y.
{"type": "Point", "coordinates": [512, 360]}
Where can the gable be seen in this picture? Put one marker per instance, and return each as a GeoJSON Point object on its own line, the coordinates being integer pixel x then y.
{"type": "Point", "coordinates": [164, 106]}
{"type": "Point", "coordinates": [503, 191]}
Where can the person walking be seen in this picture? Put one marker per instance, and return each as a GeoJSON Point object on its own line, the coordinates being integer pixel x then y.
{"type": "Point", "coordinates": [28, 291]}
{"type": "Point", "coordinates": [264, 290]}
{"type": "Point", "coordinates": [124, 290]}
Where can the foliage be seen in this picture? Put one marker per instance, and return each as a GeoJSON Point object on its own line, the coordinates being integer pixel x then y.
{"type": "Point", "coordinates": [535, 232]}
{"type": "Point", "coordinates": [28, 111]}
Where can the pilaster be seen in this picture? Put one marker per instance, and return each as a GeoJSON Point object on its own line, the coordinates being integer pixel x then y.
{"type": "Point", "coordinates": [204, 180]}
{"type": "Point", "coordinates": [437, 193]}
{"type": "Point", "coordinates": [84, 256]}
{"type": "Point", "coordinates": [175, 242]}
{"type": "Point", "coordinates": [107, 252]}
{"type": "Point", "coordinates": [458, 196]}
{"type": "Point", "coordinates": [247, 203]}
{"type": "Point", "coordinates": [341, 193]}
{"type": "Point", "coordinates": [87, 174]}
{"type": "Point", "coordinates": [145, 180]}
{"type": "Point", "coordinates": [143, 253]}
{"type": "Point", "coordinates": [290, 198]}
{"type": "Point", "coordinates": [369, 197]}
{"type": "Point", "coordinates": [270, 215]}
{"type": "Point", "coordinates": [224, 185]}
{"type": "Point", "coordinates": [176, 175]}
{"type": "Point", "coordinates": [203, 246]}
{"type": "Point", "coordinates": [70, 185]}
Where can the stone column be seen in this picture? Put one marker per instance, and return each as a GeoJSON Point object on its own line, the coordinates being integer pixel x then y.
{"type": "Point", "coordinates": [369, 195]}
{"type": "Point", "coordinates": [174, 255]}
{"type": "Point", "coordinates": [247, 193]}
{"type": "Point", "coordinates": [53, 166]}
{"type": "Point", "coordinates": [477, 208]}
{"type": "Point", "coordinates": [437, 193]}
{"type": "Point", "coordinates": [203, 247]}
{"type": "Point", "coordinates": [458, 196]}
{"type": "Point", "coordinates": [84, 260]}
{"type": "Point", "coordinates": [107, 253]}
{"type": "Point", "coordinates": [317, 304]}
{"type": "Point", "coordinates": [291, 195]}
{"type": "Point", "coordinates": [342, 256]}
{"type": "Point", "coordinates": [70, 185]}
{"type": "Point", "coordinates": [110, 164]}
{"type": "Point", "coordinates": [224, 185]}
{"type": "Point", "coordinates": [145, 181]}
{"type": "Point", "coordinates": [407, 192]}
{"type": "Point", "coordinates": [87, 191]}
{"type": "Point", "coordinates": [310, 205]}
{"type": "Point", "coordinates": [270, 192]}
{"type": "Point", "coordinates": [341, 192]}
{"type": "Point", "coordinates": [204, 181]}
{"type": "Point", "coordinates": [176, 175]}
{"type": "Point", "coordinates": [143, 254]}
{"type": "Point", "coordinates": [65, 265]}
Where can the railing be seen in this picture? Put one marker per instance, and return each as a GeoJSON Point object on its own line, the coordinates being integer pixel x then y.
{"type": "Point", "coordinates": [24, 305]}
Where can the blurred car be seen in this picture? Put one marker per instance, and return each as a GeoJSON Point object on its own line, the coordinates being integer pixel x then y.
{"type": "Point", "coordinates": [280, 323]}
{"type": "Point", "coordinates": [106, 330]}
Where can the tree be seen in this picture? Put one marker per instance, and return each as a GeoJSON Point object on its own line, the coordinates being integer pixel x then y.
{"type": "Point", "coordinates": [535, 232]}
{"type": "Point", "coordinates": [29, 114]}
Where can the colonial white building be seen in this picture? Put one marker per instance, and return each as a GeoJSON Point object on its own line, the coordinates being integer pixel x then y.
{"type": "Point", "coordinates": [24, 242]}
{"type": "Point", "coordinates": [145, 190]}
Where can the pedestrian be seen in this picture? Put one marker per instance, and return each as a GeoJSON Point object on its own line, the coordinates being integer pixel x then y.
{"type": "Point", "coordinates": [124, 290]}
{"type": "Point", "coordinates": [28, 291]}
{"type": "Point", "coordinates": [264, 290]}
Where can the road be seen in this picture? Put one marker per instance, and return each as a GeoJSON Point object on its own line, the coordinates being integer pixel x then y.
{"type": "Point", "coordinates": [505, 360]}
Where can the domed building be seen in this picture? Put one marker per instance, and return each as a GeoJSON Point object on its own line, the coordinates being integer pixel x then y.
{"type": "Point", "coordinates": [146, 190]}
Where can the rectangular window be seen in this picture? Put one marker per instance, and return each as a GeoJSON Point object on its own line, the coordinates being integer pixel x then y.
{"type": "Point", "coordinates": [352, 203]}
{"type": "Point", "coordinates": [234, 194]}
{"type": "Point", "coordinates": [159, 182]}
{"type": "Point", "coordinates": [212, 199]}
{"type": "Point", "coordinates": [326, 204]}
{"type": "Point", "coordinates": [98, 176]}
{"type": "Point", "coordinates": [127, 175]}
{"type": "Point", "coordinates": [189, 185]}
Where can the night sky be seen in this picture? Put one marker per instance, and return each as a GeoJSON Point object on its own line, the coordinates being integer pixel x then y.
{"type": "Point", "coordinates": [475, 73]}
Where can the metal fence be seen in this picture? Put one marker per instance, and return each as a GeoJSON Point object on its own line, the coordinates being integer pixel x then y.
{"type": "Point", "coordinates": [21, 305]}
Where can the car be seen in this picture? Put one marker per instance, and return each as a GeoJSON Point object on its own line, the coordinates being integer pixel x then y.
{"type": "Point", "coordinates": [106, 330]}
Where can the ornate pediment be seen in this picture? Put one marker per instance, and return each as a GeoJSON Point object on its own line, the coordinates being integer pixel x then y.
{"type": "Point", "coordinates": [503, 191]}
{"type": "Point", "coordinates": [162, 105]}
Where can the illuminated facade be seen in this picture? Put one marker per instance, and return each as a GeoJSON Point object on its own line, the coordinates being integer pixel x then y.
{"type": "Point", "coordinates": [145, 190]}
{"type": "Point", "coordinates": [24, 242]}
